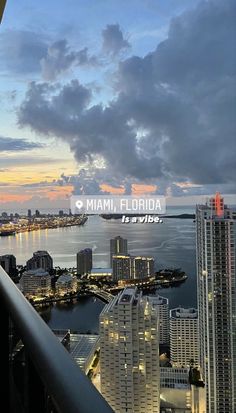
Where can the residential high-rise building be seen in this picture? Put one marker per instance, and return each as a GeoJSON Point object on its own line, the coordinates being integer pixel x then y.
{"type": "Point", "coordinates": [84, 261]}
{"type": "Point", "coordinates": [8, 263]}
{"type": "Point", "coordinates": [35, 283]}
{"type": "Point", "coordinates": [126, 267]}
{"type": "Point", "coordinates": [121, 267]}
{"type": "Point", "coordinates": [29, 213]}
{"type": "Point", "coordinates": [40, 259]}
{"type": "Point", "coordinates": [184, 335]}
{"type": "Point", "coordinates": [129, 355]}
{"type": "Point", "coordinates": [142, 267]}
{"type": "Point", "coordinates": [216, 303]}
{"type": "Point", "coordinates": [162, 306]}
{"type": "Point", "coordinates": [118, 246]}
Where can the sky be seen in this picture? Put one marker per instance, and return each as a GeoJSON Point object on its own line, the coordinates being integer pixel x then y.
{"type": "Point", "coordinates": [115, 96]}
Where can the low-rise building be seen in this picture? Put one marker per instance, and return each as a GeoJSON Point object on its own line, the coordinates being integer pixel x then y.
{"type": "Point", "coordinates": [175, 390]}
{"type": "Point", "coordinates": [83, 349]}
{"type": "Point", "coordinates": [66, 284]}
{"type": "Point", "coordinates": [35, 283]}
{"type": "Point", "coordinates": [98, 273]}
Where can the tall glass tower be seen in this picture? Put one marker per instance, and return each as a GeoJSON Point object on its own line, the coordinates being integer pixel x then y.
{"type": "Point", "coordinates": [216, 303]}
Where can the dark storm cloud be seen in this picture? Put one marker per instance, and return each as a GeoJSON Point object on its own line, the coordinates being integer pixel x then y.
{"type": "Point", "coordinates": [113, 40]}
{"type": "Point", "coordinates": [24, 52]}
{"type": "Point", "coordinates": [14, 145]}
{"type": "Point", "coordinates": [174, 115]}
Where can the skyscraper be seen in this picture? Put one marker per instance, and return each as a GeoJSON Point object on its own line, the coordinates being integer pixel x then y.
{"type": "Point", "coordinates": [184, 337]}
{"type": "Point", "coordinates": [118, 246]}
{"type": "Point", "coordinates": [126, 267]}
{"type": "Point", "coordinates": [142, 267]}
{"type": "Point", "coordinates": [84, 261]}
{"type": "Point", "coordinates": [121, 267]}
{"type": "Point", "coordinates": [129, 342]}
{"type": "Point", "coordinates": [8, 263]}
{"type": "Point", "coordinates": [40, 259]}
{"type": "Point", "coordinates": [162, 306]}
{"type": "Point", "coordinates": [216, 303]}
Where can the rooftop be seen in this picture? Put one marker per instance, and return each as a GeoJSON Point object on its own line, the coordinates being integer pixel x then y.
{"type": "Point", "coordinates": [65, 278]}
{"type": "Point", "coordinates": [184, 313]}
{"type": "Point", "coordinates": [158, 300]}
{"type": "Point", "coordinates": [40, 253]}
{"type": "Point", "coordinates": [101, 271]}
{"type": "Point", "coordinates": [81, 346]}
{"type": "Point", "coordinates": [40, 272]}
{"type": "Point", "coordinates": [127, 295]}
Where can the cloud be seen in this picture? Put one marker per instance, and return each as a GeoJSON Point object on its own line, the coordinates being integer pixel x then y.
{"type": "Point", "coordinates": [60, 58]}
{"type": "Point", "coordinates": [21, 51]}
{"type": "Point", "coordinates": [90, 181]}
{"type": "Point", "coordinates": [26, 52]}
{"type": "Point", "coordinates": [86, 182]}
{"type": "Point", "coordinates": [113, 40]}
{"type": "Point", "coordinates": [15, 161]}
{"type": "Point", "coordinates": [173, 117]}
{"type": "Point", "coordinates": [41, 184]}
{"type": "Point", "coordinates": [13, 145]}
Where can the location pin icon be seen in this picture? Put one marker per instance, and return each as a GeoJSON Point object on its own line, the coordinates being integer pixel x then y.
{"type": "Point", "coordinates": [79, 204]}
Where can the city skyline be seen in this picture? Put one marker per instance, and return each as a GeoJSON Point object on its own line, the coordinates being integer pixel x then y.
{"type": "Point", "coordinates": [152, 356]}
{"type": "Point", "coordinates": [118, 206]}
{"type": "Point", "coordinates": [97, 64]}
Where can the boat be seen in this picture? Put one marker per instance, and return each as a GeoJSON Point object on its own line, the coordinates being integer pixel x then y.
{"type": "Point", "coordinates": [7, 233]}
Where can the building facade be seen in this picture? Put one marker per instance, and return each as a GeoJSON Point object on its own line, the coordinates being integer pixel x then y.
{"type": "Point", "coordinates": [184, 348]}
{"type": "Point", "coordinates": [84, 261]}
{"type": "Point", "coordinates": [162, 306]}
{"type": "Point", "coordinates": [216, 302]}
{"type": "Point", "coordinates": [121, 267]}
{"type": "Point", "coordinates": [142, 267]}
{"type": "Point", "coordinates": [127, 267]}
{"type": "Point", "coordinates": [8, 263]}
{"type": "Point", "coordinates": [35, 283]}
{"type": "Point", "coordinates": [118, 246]}
{"type": "Point", "coordinates": [40, 259]}
{"type": "Point", "coordinates": [101, 273]}
{"type": "Point", "coordinates": [129, 354]}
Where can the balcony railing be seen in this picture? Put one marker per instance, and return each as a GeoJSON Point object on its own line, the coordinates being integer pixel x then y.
{"type": "Point", "coordinates": [52, 381]}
